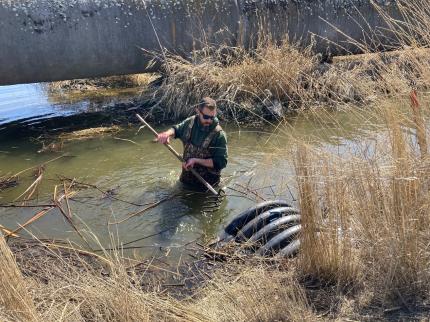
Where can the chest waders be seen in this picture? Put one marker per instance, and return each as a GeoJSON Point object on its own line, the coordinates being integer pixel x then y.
{"type": "Point", "coordinates": [201, 152]}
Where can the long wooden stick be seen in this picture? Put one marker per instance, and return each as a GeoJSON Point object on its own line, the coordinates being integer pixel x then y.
{"type": "Point", "coordinates": [179, 157]}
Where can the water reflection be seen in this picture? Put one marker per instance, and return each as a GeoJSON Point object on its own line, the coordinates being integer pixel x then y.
{"type": "Point", "coordinates": [31, 103]}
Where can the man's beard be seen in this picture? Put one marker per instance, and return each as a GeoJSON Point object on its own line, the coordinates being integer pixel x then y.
{"type": "Point", "coordinates": [204, 124]}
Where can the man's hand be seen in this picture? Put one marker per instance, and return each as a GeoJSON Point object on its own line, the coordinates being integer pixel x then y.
{"type": "Point", "coordinates": [189, 164]}
{"type": "Point", "coordinates": [164, 137]}
{"type": "Point", "coordinates": [208, 163]}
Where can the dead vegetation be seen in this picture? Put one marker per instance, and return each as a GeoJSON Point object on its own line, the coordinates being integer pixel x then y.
{"type": "Point", "coordinates": [93, 84]}
{"type": "Point", "coordinates": [8, 182]}
{"type": "Point", "coordinates": [276, 79]}
{"type": "Point", "coordinates": [365, 212]}
{"type": "Point", "coordinates": [88, 133]}
{"type": "Point", "coordinates": [57, 142]}
{"type": "Point", "coordinates": [66, 285]}
{"type": "Point", "coordinates": [15, 301]}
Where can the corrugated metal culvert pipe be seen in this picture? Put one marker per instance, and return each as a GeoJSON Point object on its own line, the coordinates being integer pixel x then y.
{"type": "Point", "coordinates": [271, 228]}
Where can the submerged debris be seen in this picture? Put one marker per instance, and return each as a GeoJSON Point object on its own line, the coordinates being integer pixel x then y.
{"type": "Point", "coordinates": [33, 188]}
{"type": "Point", "coordinates": [57, 142]}
{"type": "Point", "coordinates": [8, 182]}
{"type": "Point", "coordinates": [95, 84]}
{"type": "Point", "coordinates": [52, 147]}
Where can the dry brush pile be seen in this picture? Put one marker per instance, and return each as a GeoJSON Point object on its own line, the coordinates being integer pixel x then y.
{"type": "Point", "coordinates": [92, 84]}
{"type": "Point", "coordinates": [274, 78]}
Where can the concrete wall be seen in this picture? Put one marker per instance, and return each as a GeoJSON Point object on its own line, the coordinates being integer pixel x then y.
{"type": "Point", "coordinates": [47, 40]}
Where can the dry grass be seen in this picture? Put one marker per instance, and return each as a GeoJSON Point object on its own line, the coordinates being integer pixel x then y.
{"type": "Point", "coordinates": [277, 78]}
{"type": "Point", "coordinates": [15, 300]}
{"type": "Point", "coordinates": [255, 294]}
{"type": "Point", "coordinates": [68, 286]}
{"type": "Point", "coordinates": [73, 286]}
{"type": "Point", "coordinates": [365, 213]}
{"type": "Point", "coordinates": [92, 298]}
{"type": "Point", "coordinates": [92, 84]}
{"type": "Point", "coordinates": [88, 133]}
{"type": "Point", "coordinates": [57, 142]}
{"type": "Point", "coordinates": [236, 78]}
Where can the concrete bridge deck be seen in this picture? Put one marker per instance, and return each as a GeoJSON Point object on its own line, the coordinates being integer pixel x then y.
{"type": "Point", "coordinates": [49, 40]}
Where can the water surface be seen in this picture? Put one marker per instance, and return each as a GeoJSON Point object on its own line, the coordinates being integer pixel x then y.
{"type": "Point", "coordinates": [136, 172]}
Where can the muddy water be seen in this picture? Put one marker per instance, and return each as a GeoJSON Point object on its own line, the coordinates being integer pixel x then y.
{"type": "Point", "coordinates": [136, 172]}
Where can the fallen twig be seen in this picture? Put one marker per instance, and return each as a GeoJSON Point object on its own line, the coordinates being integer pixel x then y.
{"type": "Point", "coordinates": [251, 191]}
{"type": "Point", "coordinates": [149, 236]}
{"type": "Point", "coordinates": [33, 187]}
{"type": "Point", "coordinates": [39, 214]}
{"type": "Point", "coordinates": [69, 212]}
{"type": "Point", "coordinates": [40, 165]}
{"type": "Point", "coordinates": [69, 220]}
{"type": "Point", "coordinates": [127, 140]}
{"type": "Point", "coordinates": [27, 206]}
{"type": "Point", "coordinates": [7, 231]}
{"type": "Point", "coordinates": [89, 185]}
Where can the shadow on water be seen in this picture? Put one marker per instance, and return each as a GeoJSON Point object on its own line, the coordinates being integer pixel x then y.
{"type": "Point", "coordinates": [185, 213]}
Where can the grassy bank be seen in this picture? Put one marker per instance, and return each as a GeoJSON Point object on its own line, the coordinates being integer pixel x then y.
{"type": "Point", "coordinates": [365, 213]}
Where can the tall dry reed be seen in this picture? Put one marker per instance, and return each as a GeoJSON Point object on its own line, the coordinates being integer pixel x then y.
{"type": "Point", "coordinates": [16, 304]}
{"type": "Point", "coordinates": [236, 78]}
{"type": "Point", "coordinates": [366, 218]}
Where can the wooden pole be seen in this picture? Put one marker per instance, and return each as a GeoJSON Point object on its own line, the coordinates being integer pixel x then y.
{"type": "Point", "coordinates": [179, 157]}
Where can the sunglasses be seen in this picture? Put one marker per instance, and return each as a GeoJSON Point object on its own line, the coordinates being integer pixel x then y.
{"type": "Point", "coordinates": [207, 117]}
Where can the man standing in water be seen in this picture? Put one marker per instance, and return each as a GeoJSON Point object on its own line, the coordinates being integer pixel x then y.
{"type": "Point", "coordinates": [205, 144]}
